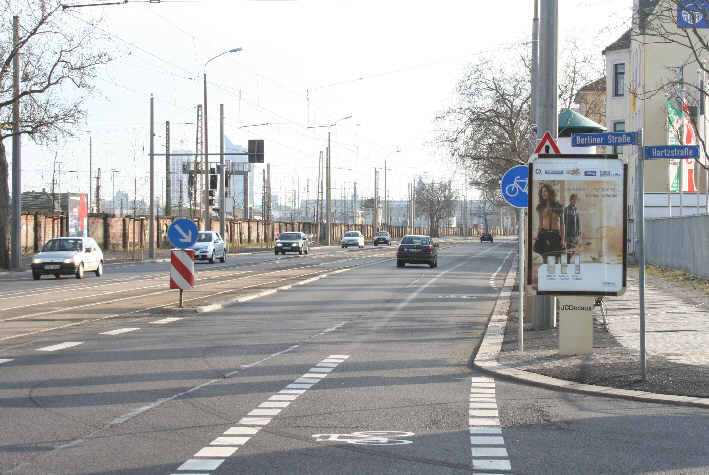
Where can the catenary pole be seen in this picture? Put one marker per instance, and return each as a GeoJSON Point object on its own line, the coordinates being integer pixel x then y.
{"type": "Point", "coordinates": [168, 183]}
{"type": "Point", "coordinates": [222, 192]}
{"type": "Point", "coordinates": [151, 226]}
{"type": "Point", "coordinates": [327, 191]}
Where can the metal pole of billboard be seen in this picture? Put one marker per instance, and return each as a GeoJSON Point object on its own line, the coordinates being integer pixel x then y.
{"type": "Point", "coordinates": [641, 248]}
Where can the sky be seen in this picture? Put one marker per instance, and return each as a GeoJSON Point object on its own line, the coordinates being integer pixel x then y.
{"type": "Point", "coordinates": [391, 65]}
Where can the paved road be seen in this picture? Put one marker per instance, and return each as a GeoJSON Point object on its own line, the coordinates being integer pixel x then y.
{"type": "Point", "coordinates": [365, 371]}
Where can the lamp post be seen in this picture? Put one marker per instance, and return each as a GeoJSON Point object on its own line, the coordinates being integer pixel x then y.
{"type": "Point", "coordinates": [205, 197]}
{"type": "Point", "coordinates": [328, 213]}
{"type": "Point", "coordinates": [113, 191]}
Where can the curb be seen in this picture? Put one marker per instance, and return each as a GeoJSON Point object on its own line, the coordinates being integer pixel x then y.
{"type": "Point", "coordinates": [490, 347]}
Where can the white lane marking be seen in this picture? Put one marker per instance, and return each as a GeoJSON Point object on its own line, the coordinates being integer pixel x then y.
{"type": "Point", "coordinates": [493, 277]}
{"type": "Point", "coordinates": [5, 360]}
{"type": "Point", "coordinates": [487, 445]}
{"type": "Point", "coordinates": [292, 391]}
{"type": "Point", "coordinates": [166, 320]}
{"type": "Point", "coordinates": [283, 397]}
{"type": "Point", "coordinates": [119, 331]}
{"type": "Point", "coordinates": [320, 370]}
{"type": "Point", "coordinates": [216, 452]}
{"type": "Point", "coordinates": [299, 386]}
{"type": "Point", "coordinates": [61, 346]}
{"type": "Point", "coordinates": [201, 464]}
{"type": "Point", "coordinates": [312, 376]}
{"type": "Point", "coordinates": [328, 365]}
{"type": "Point", "coordinates": [226, 446]}
{"type": "Point", "coordinates": [307, 380]}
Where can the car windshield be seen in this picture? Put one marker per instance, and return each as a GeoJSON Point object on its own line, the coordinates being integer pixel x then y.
{"type": "Point", "coordinates": [62, 245]}
{"type": "Point", "coordinates": [419, 240]}
{"type": "Point", "coordinates": [352, 234]}
{"type": "Point", "coordinates": [289, 236]}
{"type": "Point", "coordinates": [204, 237]}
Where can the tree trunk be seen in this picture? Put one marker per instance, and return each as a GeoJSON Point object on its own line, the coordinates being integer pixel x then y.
{"type": "Point", "coordinates": [4, 211]}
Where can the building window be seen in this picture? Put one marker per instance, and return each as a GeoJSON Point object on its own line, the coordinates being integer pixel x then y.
{"type": "Point", "coordinates": [618, 127]}
{"type": "Point", "coordinates": [619, 79]}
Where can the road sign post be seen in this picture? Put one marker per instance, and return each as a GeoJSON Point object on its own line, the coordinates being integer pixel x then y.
{"type": "Point", "coordinates": [515, 191]}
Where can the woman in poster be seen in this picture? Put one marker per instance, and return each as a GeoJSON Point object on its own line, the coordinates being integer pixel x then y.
{"type": "Point", "coordinates": [549, 239]}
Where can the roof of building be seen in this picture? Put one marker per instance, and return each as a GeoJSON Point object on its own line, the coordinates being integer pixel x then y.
{"type": "Point", "coordinates": [571, 121]}
{"type": "Point", "coordinates": [621, 43]}
{"type": "Point", "coordinates": [595, 86]}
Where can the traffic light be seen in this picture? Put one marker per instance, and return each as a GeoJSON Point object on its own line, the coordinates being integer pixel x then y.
{"type": "Point", "coordinates": [211, 197]}
{"type": "Point", "coordinates": [213, 182]}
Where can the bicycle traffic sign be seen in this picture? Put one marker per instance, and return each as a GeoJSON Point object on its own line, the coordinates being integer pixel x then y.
{"type": "Point", "coordinates": [182, 233]}
{"type": "Point", "coordinates": [514, 186]}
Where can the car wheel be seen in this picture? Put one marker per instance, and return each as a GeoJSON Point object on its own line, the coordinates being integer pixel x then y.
{"type": "Point", "coordinates": [211, 258]}
{"type": "Point", "coordinates": [223, 259]}
{"type": "Point", "coordinates": [35, 275]}
{"type": "Point", "coordinates": [99, 269]}
{"type": "Point", "coordinates": [300, 251]}
{"type": "Point", "coordinates": [307, 250]}
{"type": "Point", "coordinates": [399, 263]}
{"type": "Point", "coordinates": [375, 244]}
{"type": "Point", "coordinates": [80, 271]}
{"type": "Point", "coordinates": [275, 252]}
{"type": "Point", "coordinates": [57, 275]}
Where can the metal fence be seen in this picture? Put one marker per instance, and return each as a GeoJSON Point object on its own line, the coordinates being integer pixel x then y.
{"type": "Point", "coordinates": [680, 243]}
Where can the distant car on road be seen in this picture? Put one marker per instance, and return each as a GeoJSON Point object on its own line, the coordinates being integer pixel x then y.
{"type": "Point", "coordinates": [486, 237]}
{"type": "Point", "coordinates": [417, 249]}
{"type": "Point", "coordinates": [292, 242]}
{"type": "Point", "coordinates": [68, 256]}
{"type": "Point", "coordinates": [382, 237]}
{"type": "Point", "coordinates": [352, 238]}
{"type": "Point", "coordinates": [209, 247]}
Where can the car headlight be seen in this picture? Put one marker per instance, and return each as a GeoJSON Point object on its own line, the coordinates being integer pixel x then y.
{"type": "Point", "coordinates": [69, 260]}
{"type": "Point", "coordinates": [296, 244]}
{"type": "Point", "coordinates": [278, 244]}
{"type": "Point", "coordinates": [36, 260]}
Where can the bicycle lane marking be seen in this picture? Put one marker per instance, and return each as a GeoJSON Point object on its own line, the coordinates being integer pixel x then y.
{"type": "Point", "coordinates": [487, 443]}
{"type": "Point", "coordinates": [210, 457]}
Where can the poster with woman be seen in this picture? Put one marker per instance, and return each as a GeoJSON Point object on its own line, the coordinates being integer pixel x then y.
{"type": "Point", "coordinates": [577, 226]}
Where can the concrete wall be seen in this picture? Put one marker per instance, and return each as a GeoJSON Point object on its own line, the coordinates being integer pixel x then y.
{"type": "Point", "coordinates": [121, 234]}
{"type": "Point", "coordinates": [679, 243]}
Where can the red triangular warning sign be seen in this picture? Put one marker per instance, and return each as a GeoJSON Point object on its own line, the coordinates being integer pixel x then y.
{"type": "Point", "coordinates": [547, 140]}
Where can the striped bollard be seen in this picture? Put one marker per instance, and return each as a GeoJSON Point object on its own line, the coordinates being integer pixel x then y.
{"type": "Point", "coordinates": [182, 270]}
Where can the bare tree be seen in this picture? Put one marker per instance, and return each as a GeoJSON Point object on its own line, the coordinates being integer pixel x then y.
{"type": "Point", "coordinates": [436, 201]}
{"type": "Point", "coordinates": [57, 63]}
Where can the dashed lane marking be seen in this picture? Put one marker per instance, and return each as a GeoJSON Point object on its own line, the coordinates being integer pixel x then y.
{"type": "Point", "coordinates": [487, 444]}
{"type": "Point", "coordinates": [5, 360]}
{"type": "Point", "coordinates": [166, 320]}
{"type": "Point", "coordinates": [119, 331]}
{"type": "Point", "coordinates": [209, 458]}
{"type": "Point", "coordinates": [61, 346]}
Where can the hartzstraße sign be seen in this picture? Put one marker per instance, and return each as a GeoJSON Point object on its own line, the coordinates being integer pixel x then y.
{"type": "Point", "coordinates": [672, 152]}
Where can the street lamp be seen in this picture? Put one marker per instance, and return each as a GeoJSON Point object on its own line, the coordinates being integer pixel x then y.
{"type": "Point", "coordinates": [205, 197]}
{"type": "Point", "coordinates": [327, 175]}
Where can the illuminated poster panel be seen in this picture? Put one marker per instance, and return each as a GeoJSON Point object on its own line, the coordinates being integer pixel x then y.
{"type": "Point", "coordinates": [577, 232]}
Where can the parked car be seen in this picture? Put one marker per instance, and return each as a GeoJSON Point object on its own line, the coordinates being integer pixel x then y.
{"type": "Point", "coordinates": [352, 238]}
{"type": "Point", "coordinates": [292, 242]}
{"type": "Point", "coordinates": [382, 237]}
{"type": "Point", "coordinates": [486, 237]}
{"type": "Point", "coordinates": [416, 249]}
{"type": "Point", "coordinates": [68, 256]}
{"type": "Point", "coordinates": [209, 247]}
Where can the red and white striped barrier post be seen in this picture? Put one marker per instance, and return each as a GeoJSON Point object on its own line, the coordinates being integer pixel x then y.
{"type": "Point", "coordinates": [182, 270]}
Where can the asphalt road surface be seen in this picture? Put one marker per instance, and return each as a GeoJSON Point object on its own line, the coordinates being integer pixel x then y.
{"type": "Point", "coordinates": [337, 362]}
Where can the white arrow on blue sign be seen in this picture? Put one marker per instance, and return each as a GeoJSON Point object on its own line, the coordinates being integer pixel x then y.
{"type": "Point", "coordinates": [182, 233]}
{"type": "Point", "coordinates": [514, 186]}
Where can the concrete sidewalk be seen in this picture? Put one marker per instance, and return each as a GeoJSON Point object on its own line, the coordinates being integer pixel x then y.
{"type": "Point", "coordinates": [677, 339]}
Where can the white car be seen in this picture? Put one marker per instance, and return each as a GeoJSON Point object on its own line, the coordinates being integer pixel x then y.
{"type": "Point", "coordinates": [68, 256]}
{"type": "Point", "coordinates": [352, 238]}
{"type": "Point", "coordinates": [209, 247]}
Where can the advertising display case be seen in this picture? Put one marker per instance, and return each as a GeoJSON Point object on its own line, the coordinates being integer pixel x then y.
{"type": "Point", "coordinates": [577, 226]}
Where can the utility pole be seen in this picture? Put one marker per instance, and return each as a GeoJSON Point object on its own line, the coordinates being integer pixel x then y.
{"type": "Point", "coordinates": [222, 172]}
{"type": "Point", "coordinates": [206, 217]}
{"type": "Point", "coordinates": [168, 185]}
{"type": "Point", "coordinates": [98, 192]}
{"type": "Point", "coordinates": [151, 227]}
{"type": "Point", "coordinates": [386, 197]}
{"type": "Point", "coordinates": [544, 314]}
{"type": "Point", "coordinates": [90, 173]}
{"type": "Point", "coordinates": [327, 191]}
{"type": "Point", "coordinates": [16, 233]}
{"type": "Point", "coordinates": [268, 191]}
{"type": "Point", "coordinates": [354, 204]}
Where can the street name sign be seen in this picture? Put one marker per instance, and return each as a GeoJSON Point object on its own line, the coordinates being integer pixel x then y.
{"type": "Point", "coordinates": [672, 152]}
{"type": "Point", "coordinates": [514, 186]}
{"type": "Point", "coordinates": [182, 233]}
{"type": "Point", "coordinates": [614, 139]}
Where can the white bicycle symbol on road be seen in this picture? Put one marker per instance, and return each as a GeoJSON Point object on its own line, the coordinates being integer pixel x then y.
{"type": "Point", "coordinates": [513, 189]}
{"type": "Point", "coordinates": [370, 437]}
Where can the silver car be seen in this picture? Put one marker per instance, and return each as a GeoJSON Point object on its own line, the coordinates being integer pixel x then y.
{"type": "Point", "coordinates": [209, 247]}
{"type": "Point", "coordinates": [292, 242]}
{"type": "Point", "coordinates": [352, 238]}
{"type": "Point", "coordinates": [68, 256]}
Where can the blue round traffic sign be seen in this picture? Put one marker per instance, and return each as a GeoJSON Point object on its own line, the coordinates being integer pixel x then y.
{"type": "Point", "coordinates": [182, 233]}
{"type": "Point", "coordinates": [514, 186]}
